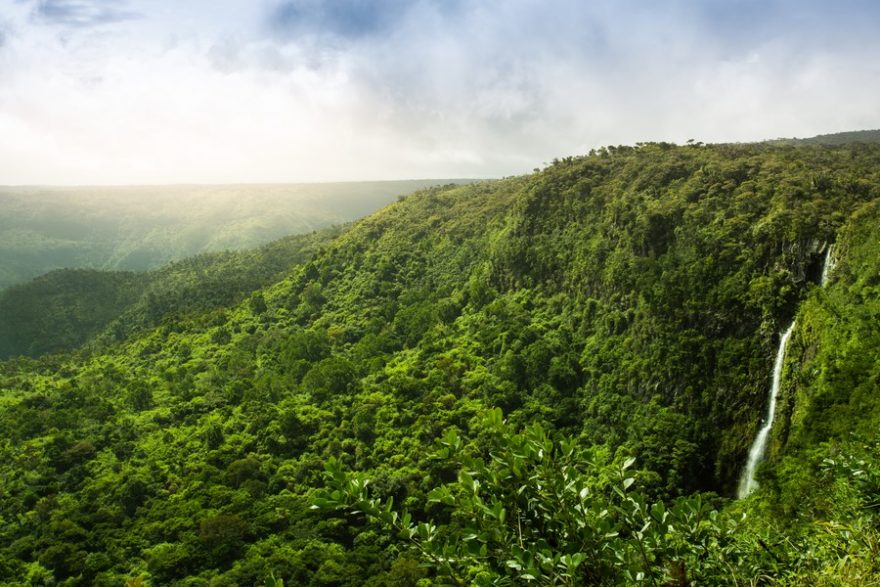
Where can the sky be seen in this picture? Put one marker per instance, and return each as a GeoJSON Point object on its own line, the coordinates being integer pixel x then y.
{"type": "Point", "coordinates": [214, 91]}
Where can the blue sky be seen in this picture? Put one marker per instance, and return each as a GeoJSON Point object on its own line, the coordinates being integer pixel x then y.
{"type": "Point", "coordinates": [167, 91]}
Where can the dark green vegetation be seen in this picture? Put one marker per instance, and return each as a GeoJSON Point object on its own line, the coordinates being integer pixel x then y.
{"type": "Point", "coordinates": [621, 305]}
{"type": "Point", "coordinates": [63, 309]}
{"type": "Point", "coordinates": [144, 227]}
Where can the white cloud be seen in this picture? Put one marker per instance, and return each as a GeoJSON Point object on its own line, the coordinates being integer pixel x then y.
{"type": "Point", "coordinates": [211, 92]}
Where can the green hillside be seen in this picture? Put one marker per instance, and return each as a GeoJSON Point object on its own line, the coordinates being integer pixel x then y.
{"type": "Point", "coordinates": [144, 227]}
{"type": "Point", "coordinates": [622, 305]}
{"type": "Point", "coordinates": [62, 310]}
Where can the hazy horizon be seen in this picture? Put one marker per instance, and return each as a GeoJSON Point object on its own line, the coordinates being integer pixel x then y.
{"type": "Point", "coordinates": [110, 186]}
{"type": "Point", "coordinates": [154, 92]}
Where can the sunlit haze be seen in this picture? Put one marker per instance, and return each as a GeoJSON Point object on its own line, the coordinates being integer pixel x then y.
{"type": "Point", "coordinates": [164, 91]}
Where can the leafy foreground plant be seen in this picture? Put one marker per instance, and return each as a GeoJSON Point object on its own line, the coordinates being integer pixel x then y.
{"type": "Point", "coordinates": [532, 511]}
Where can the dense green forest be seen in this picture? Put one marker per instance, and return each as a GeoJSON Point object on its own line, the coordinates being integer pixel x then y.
{"type": "Point", "coordinates": [543, 380]}
{"type": "Point", "coordinates": [64, 309]}
{"type": "Point", "coordinates": [135, 228]}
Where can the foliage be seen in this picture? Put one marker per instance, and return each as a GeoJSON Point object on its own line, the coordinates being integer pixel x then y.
{"type": "Point", "coordinates": [532, 511]}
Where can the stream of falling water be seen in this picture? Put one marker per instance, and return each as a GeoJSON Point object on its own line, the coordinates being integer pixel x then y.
{"type": "Point", "coordinates": [747, 482]}
{"type": "Point", "coordinates": [828, 266]}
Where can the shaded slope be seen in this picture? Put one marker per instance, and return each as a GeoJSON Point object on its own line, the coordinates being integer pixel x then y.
{"type": "Point", "coordinates": [62, 309]}
{"type": "Point", "coordinates": [65, 308]}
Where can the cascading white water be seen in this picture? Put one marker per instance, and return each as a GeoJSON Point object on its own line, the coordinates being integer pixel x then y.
{"type": "Point", "coordinates": [747, 483]}
{"type": "Point", "coordinates": [828, 265]}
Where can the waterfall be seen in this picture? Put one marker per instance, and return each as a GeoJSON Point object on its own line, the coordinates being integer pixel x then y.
{"type": "Point", "coordinates": [747, 483]}
{"type": "Point", "coordinates": [828, 265]}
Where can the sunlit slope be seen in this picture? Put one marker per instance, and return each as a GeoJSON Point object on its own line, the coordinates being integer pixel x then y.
{"type": "Point", "coordinates": [138, 228]}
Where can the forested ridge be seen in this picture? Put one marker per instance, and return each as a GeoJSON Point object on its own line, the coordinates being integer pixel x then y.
{"type": "Point", "coordinates": [550, 379]}
{"type": "Point", "coordinates": [838, 138]}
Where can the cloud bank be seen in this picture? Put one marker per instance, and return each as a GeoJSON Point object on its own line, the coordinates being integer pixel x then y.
{"type": "Point", "coordinates": [155, 91]}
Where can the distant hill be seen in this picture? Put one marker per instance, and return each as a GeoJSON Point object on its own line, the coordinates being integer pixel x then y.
{"type": "Point", "coordinates": [838, 138]}
{"type": "Point", "coordinates": [144, 227]}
